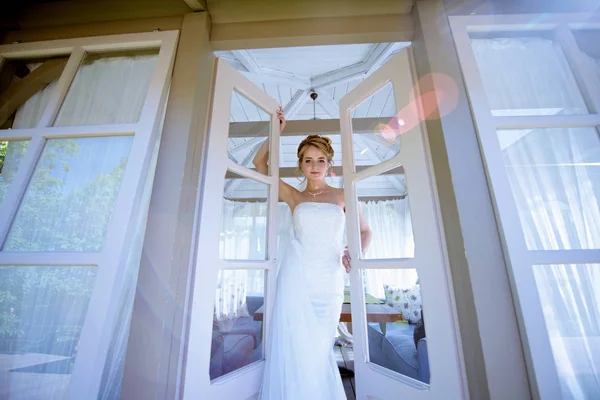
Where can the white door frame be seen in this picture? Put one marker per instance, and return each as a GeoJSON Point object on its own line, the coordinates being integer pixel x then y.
{"type": "Point", "coordinates": [444, 347]}
{"type": "Point", "coordinates": [245, 382]}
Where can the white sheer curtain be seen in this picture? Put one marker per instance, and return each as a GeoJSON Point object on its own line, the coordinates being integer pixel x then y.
{"type": "Point", "coordinates": [391, 226]}
{"type": "Point", "coordinates": [119, 86]}
{"type": "Point", "coordinates": [67, 207]}
{"type": "Point", "coordinates": [555, 178]}
{"type": "Point", "coordinates": [243, 237]}
{"type": "Point", "coordinates": [244, 231]}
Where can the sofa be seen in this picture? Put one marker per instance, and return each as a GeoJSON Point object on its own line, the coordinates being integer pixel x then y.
{"type": "Point", "coordinates": [242, 345]}
{"type": "Point", "coordinates": [396, 350]}
{"type": "Point", "coordinates": [239, 346]}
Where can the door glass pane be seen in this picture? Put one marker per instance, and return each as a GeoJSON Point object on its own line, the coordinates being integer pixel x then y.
{"type": "Point", "coordinates": [555, 179]}
{"type": "Point", "coordinates": [237, 321]}
{"type": "Point", "coordinates": [249, 126]}
{"type": "Point", "coordinates": [395, 328]}
{"type": "Point", "coordinates": [25, 88]}
{"type": "Point", "coordinates": [587, 41]}
{"type": "Point", "coordinates": [69, 201]}
{"type": "Point", "coordinates": [372, 121]}
{"type": "Point", "coordinates": [383, 201]}
{"type": "Point", "coordinates": [108, 89]}
{"type": "Point", "coordinates": [516, 69]}
{"type": "Point", "coordinates": [11, 154]}
{"type": "Point", "coordinates": [570, 297]}
{"type": "Point", "coordinates": [244, 226]}
{"type": "Point", "coordinates": [42, 310]}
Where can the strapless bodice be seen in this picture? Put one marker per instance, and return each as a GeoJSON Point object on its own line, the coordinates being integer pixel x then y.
{"type": "Point", "coordinates": [319, 230]}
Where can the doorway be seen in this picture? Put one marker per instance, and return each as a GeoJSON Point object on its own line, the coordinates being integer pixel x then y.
{"type": "Point", "coordinates": [362, 83]}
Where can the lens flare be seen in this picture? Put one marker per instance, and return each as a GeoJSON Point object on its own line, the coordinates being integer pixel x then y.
{"type": "Point", "coordinates": [435, 95]}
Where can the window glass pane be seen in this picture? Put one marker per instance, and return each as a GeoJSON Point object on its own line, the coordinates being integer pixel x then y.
{"type": "Point", "coordinates": [383, 200]}
{"type": "Point", "coordinates": [42, 310]}
{"type": "Point", "coordinates": [11, 154]}
{"type": "Point", "coordinates": [570, 297]}
{"type": "Point", "coordinates": [588, 40]}
{"type": "Point", "coordinates": [69, 200]}
{"type": "Point", "coordinates": [25, 89]}
{"type": "Point", "coordinates": [395, 325]}
{"type": "Point", "coordinates": [526, 75]}
{"type": "Point", "coordinates": [244, 226]}
{"type": "Point", "coordinates": [249, 126]}
{"type": "Point", "coordinates": [108, 89]}
{"type": "Point", "coordinates": [555, 179]}
{"type": "Point", "coordinates": [238, 320]}
{"type": "Point", "coordinates": [374, 128]}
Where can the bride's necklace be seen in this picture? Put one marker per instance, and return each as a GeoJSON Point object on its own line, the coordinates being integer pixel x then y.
{"type": "Point", "coordinates": [315, 194]}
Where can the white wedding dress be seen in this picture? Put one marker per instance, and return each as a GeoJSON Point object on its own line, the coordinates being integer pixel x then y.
{"type": "Point", "coordinates": [300, 363]}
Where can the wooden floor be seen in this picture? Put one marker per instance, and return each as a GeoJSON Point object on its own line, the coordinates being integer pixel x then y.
{"type": "Point", "coordinates": [345, 358]}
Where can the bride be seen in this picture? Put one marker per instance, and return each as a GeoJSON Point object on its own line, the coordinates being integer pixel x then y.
{"type": "Point", "coordinates": [300, 363]}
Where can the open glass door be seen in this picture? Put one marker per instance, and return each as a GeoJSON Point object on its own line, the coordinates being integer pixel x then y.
{"type": "Point", "coordinates": [237, 244]}
{"type": "Point", "coordinates": [80, 129]}
{"type": "Point", "coordinates": [402, 277]}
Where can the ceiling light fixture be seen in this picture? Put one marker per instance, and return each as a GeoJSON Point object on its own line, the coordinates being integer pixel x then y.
{"type": "Point", "coordinates": [313, 96]}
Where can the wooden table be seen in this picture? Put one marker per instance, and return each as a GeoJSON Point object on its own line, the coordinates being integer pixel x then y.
{"type": "Point", "coordinates": [381, 313]}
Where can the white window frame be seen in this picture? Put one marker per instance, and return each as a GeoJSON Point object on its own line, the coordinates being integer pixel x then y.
{"type": "Point", "coordinates": [104, 307]}
{"type": "Point", "coordinates": [520, 260]}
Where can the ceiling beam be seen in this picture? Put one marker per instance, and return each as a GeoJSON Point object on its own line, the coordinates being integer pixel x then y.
{"type": "Point", "coordinates": [392, 178]}
{"type": "Point", "coordinates": [379, 53]}
{"type": "Point", "coordinates": [21, 91]}
{"type": "Point", "coordinates": [296, 104]}
{"type": "Point", "coordinates": [278, 79]}
{"type": "Point", "coordinates": [389, 27]}
{"type": "Point", "coordinates": [231, 157]}
{"type": "Point", "coordinates": [247, 143]}
{"type": "Point", "coordinates": [342, 75]}
{"type": "Point", "coordinates": [78, 12]}
{"type": "Point", "coordinates": [303, 127]}
{"type": "Point", "coordinates": [233, 183]}
{"type": "Point", "coordinates": [196, 5]}
{"type": "Point", "coordinates": [245, 57]}
{"type": "Point", "coordinates": [253, 11]}
{"type": "Point", "coordinates": [291, 172]}
{"type": "Point", "coordinates": [381, 141]}
{"type": "Point", "coordinates": [329, 105]}
{"type": "Point", "coordinates": [277, 74]}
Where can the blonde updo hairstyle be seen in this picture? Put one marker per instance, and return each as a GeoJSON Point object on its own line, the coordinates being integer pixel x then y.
{"type": "Point", "coordinates": [321, 143]}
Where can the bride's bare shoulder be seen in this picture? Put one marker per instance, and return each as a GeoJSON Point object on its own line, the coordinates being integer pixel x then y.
{"type": "Point", "coordinates": [339, 193]}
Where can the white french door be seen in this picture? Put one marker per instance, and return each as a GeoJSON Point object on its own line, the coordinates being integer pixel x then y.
{"type": "Point", "coordinates": [234, 282]}
{"type": "Point", "coordinates": [80, 125]}
{"type": "Point", "coordinates": [388, 363]}
{"type": "Point", "coordinates": [541, 146]}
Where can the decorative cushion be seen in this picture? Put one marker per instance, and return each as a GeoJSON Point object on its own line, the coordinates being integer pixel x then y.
{"type": "Point", "coordinates": [394, 297]}
{"type": "Point", "coordinates": [412, 304]}
{"type": "Point", "coordinates": [405, 300]}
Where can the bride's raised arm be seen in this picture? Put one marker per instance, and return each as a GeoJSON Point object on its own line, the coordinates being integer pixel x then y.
{"type": "Point", "coordinates": [261, 162]}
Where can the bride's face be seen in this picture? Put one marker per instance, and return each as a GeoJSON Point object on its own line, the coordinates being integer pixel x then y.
{"type": "Point", "coordinates": [314, 164]}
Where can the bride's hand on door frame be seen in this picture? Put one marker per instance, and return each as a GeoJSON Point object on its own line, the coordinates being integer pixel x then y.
{"type": "Point", "coordinates": [346, 260]}
{"type": "Point", "coordinates": [281, 118]}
